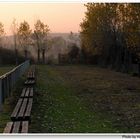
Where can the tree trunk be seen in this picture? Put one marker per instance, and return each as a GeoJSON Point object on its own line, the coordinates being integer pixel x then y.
{"type": "Point", "coordinates": [43, 56]}
{"type": "Point", "coordinates": [16, 51]}
{"type": "Point", "coordinates": [25, 53]}
{"type": "Point", "coordinates": [38, 55]}
{"type": "Point", "coordinates": [16, 56]}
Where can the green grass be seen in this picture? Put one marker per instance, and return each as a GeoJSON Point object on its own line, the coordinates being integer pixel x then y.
{"type": "Point", "coordinates": [4, 69]}
{"type": "Point", "coordinates": [57, 108]}
{"type": "Point", "coordinates": [80, 99]}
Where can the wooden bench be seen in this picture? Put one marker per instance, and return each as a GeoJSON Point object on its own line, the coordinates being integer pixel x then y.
{"type": "Point", "coordinates": [29, 82]}
{"type": "Point", "coordinates": [17, 127]}
{"type": "Point", "coordinates": [31, 75]}
{"type": "Point", "coordinates": [21, 114]}
{"type": "Point", "coordinates": [22, 110]}
{"type": "Point", "coordinates": [27, 92]}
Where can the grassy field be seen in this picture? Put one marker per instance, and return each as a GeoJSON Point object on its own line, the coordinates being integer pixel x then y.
{"type": "Point", "coordinates": [80, 99]}
{"type": "Point", "coordinates": [71, 99]}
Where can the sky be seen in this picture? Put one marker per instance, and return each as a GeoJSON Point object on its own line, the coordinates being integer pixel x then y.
{"type": "Point", "coordinates": [60, 17]}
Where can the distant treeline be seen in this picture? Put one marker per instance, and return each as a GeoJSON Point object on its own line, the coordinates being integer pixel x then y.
{"type": "Point", "coordinates": [36, 44]}
{"type": "Point", "coordinates": [8, 57]}
{"type": "Point", "coordinates": [24, 38]}
{"type": "Point", "coordinates": [110, 35]}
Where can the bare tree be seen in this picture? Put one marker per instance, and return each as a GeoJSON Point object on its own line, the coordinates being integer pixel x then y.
{"type": "Point", "coordinates": [14, 28]}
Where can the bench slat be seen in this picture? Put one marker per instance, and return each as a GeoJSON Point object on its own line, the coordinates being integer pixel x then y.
{"type": "Point", "coordinates": [31, 92]}
{"type": "Point", "coordinates": [27, 92]}
{"type": "Point", "coordinates": [24, 127]}
{"type": "Point", "coordinates": [31, 75]}
{"type": "Point", "coordinates": [28, 110]}
{"type": "Point", "coordinates": [16, 127]}
{"type": "Point", "coordinates": [23, 92]}
{"type": "Point", "coordinates": [8, 127]}
{"type": "Point", "coordinates": [16, 110]}
{"type": "Point", "coordinates": [32, 82]}
{"type": "Point", "coordinates": [22, 109]}
{"type": "Point", "coordinates": [29, 82]}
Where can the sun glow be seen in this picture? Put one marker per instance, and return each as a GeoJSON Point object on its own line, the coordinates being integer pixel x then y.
{"type": "Point", "coordinates": [61, 17]}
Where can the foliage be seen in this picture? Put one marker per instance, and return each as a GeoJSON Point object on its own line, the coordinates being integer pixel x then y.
{"type": "Point", "coordinates": [1, 29]}
{"type": "Point", "coordinates": [40, 33]}
{"type": "Point", "coordinates": [8, 56]}
{"type": "Point", "coordinates": [111, 32]}
{"type": "Point", "coordinates": [73, 53]}
{"type": "Point", "coordinates": [1, 32]}
{"type": "Point", "coordinates": [24, 33]}
{"type": "Point", "coordinates": [40, 37]}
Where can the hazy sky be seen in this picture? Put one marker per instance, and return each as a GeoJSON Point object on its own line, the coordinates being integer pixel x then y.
{"type": "Point", "coordinates": [61, 17]}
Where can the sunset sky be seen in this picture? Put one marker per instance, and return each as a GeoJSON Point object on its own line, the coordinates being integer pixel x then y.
{"type": "Point", "coordinates": [61, 17]}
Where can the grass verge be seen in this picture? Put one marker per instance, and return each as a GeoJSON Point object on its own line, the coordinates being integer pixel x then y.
{"type": "Point", "coordinates": [4, 69]}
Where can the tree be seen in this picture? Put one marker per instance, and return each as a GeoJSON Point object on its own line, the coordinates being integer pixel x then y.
{"type": "Point", "coordinates": [41, 31]}
{"type": "Point", "coordinates": [71, 35]}
{"type": "Point", "coordinates": [24, 34]}
{"type": "Point", "coordinates": [1, 32]}
{"type": "Point", "coordinates": [1, 36]}
{"type": "Point", "coordinates": [14, 28]}
{"type": "Point", "coordinates": [73, 53]}
{"type": "Point", "coordinates": [111, 33]}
